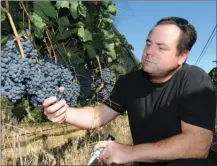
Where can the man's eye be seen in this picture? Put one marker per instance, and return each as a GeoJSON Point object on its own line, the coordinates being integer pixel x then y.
{"type": "Point", "coordinates": [148, 44]}
{"type": "Point", "coordinates": [161, 48]}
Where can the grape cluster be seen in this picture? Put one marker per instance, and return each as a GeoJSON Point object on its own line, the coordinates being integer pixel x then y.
{"type": "Point", "coordinates": [108, 81]}
{"type": "Point", "coordinates": [90, 83]}
{"type": "Point", "coordinates": [36, 80]}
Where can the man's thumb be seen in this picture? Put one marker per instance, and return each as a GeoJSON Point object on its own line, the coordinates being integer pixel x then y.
{"type": "Point", "coordinates": [61, 89]}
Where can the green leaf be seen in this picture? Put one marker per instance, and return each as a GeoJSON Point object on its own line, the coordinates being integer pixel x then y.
{"type": "Point", "coordinates": [111, 50]}
{"type": "Point", "coordinates": [37, 21]}
{"type": "Point", "coordinates": [117, 42]}
{"type": "Point", "coordinates": [39, 24]}
{"type": "Point", "coordinates": [119, 69]}
{"type": "Point", "coordinates": [37, 32]}
{"type": "Point", "coordinates": [82, 9]}
{"type": "Point", "coordinates": [90, 50]}
{"type": "Point", "coordinates": [20, 25]}
{"type": "Point", "coordinates": [84, 34]}
{"type": "Point", "coordinates": [107, 20]}
{"type": "Point", "coordinates": [4, 40]}
{"type": "Point", "coordinates": [74, 9]}
{"type": "Point", "coordinates": [3, 16]}
{"type": "Point", "coordinates": [63, 21]}
{"type": "Point", "coordinates": [65, 35]}
{"type": "Point", "coordinates": [112, 9]}
{"type": "Point", "coordinates": [37, 9]}
{"type": "Point", "coordinates": [62, 4]}
{"type": "Point", "coordinates": [109, 60]}
{"type": "Point", "coordinates": [47, 8]}
{"type": "Point", "coordinates": [108, 34]}
{"type": "Point", "coordinates": [105, 3]}
{"type": "Point", "coordinates": [62, 29]}
{"type": "Point", "coordinates": [75, 56]}
{"type": "Point", "coordinates": [62, 36]}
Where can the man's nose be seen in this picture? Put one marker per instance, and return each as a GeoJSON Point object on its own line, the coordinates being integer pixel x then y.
{"type": "Point", "coordinates": [150, 49]}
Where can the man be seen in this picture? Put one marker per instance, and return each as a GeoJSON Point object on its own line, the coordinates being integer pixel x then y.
{"type": "Point", "coordinates": [171, 105]}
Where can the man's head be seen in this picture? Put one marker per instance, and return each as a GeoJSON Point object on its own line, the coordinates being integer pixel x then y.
{"type": "Point", "coordinates": [168, 46]}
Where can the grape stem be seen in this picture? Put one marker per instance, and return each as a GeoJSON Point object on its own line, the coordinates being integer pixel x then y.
{"type": "Point", "coordinates": [7, 5]}
{"type": "Point", "coordinates": [14, 30]}
{"type": "Point", "coordinates": [100, 69]}
{"type": "Point", "coordinates": [52, 48]}
{"type": "Point", "coordinates": [23, 15]}
{"type": "Point", "coordinates": [27, 14]}
{"type": "Point", "coordinates": [48, 48]}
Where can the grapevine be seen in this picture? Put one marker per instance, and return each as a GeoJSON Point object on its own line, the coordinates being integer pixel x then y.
{"type": "Point", "coordinates": [36, 80]}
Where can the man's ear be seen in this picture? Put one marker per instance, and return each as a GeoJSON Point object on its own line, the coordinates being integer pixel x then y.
{"type": "Point", "coordinates": [183, 56]}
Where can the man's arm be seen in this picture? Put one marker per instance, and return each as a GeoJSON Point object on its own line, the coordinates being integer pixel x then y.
{"type": "Point", "coordinates": [85, 117]}
{"type": "Point", "coordinates": [90, 117]}
{"type": "Point", "coordinates": [193, 142]}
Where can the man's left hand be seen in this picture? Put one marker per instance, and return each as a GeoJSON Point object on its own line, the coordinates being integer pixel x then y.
{"type": "Point", "coordinates": [114, 152]}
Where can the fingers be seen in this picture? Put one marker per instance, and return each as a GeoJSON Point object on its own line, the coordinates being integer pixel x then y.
{"type": "Point", "coordinates": [59, 119]}
{"type": "Point", "coordinates": [101, 144]}
{"type": "Point", "coordinates": [59, 116]}
{"type": "Point", "coordinates": [52, 99]}
{"type": "Point", "coordinates": [55, 110]}
{"type": "Point", "coordinates": [57, 113]}
{"type": "Point", "coordinates": [103, 155]}
{"type": "Point", "coordinates": [49, 101]}
{"type": "Point", "coordinates": [55, 107]}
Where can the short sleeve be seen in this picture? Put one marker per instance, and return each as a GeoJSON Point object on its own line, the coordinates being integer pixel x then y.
{"type": "Point", "coordinates": [117, 98]}
{"type": "Point", "coordinates": [198, 104]}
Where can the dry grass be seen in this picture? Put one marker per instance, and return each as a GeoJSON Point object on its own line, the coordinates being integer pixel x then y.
{"type": "Point", "coordinates": [65, 145]}
{"type": "Point", "coordinates": [59, 144]}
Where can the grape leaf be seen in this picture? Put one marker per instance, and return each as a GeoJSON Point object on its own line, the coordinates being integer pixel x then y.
{"type": "Point", "coordinates": [82, 9]}
{"type": "Point", "coordinates": [62, 4]}
{"type": "Point", "coordinates": [39, 24]}
{"type": "Point", "coordinates": [66, 34]}
{"type": "Point", "coordinates": [90, 50]}
{"type": "Point", "coordinates": [4, 39]}
{"type": "Point", "coordinates": [84, 34]}
{"type": "Point", "coordinates": [3, 16]}
{"type": "Point", "coordinates": [108, 20]}
{"type": "Point", "coordinates": [63, 21]}
{"type": "Point", "coordinates": [74, 9]}
{"type": "Point", "coordinates": [112, 9]}
{"type": "Point", "coordinates": [111, 50]}
{"type": "Point", "coordinates": [105, 3]}
{"type": "Point", "coordinates": [47, 8]}
{"type": "Point", "coordinates": [108, 34]}
{"type": "Point", "coordinates": [37, 9]}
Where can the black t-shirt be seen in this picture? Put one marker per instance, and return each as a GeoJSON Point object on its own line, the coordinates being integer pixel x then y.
{"type": "Point", "coordinates": [155, 110]}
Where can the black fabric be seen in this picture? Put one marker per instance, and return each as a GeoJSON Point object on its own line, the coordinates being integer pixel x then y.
{"type": "Point", "coordinates": [155, 111]}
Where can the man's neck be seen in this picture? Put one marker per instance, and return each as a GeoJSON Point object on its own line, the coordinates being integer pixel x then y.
{"type": "Point", "coordinates": [164, 78]}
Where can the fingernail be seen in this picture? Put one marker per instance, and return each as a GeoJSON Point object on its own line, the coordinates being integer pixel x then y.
{"type": "Point", "coordinates": [53, 98]}
{"type": "Point", "coordinates": [63, 101]}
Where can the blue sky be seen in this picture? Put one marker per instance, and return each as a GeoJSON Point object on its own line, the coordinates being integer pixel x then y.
{"type": "Point", "coordinates": [136, 18]}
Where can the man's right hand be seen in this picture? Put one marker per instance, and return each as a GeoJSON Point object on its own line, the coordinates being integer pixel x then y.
{"type": "Point", "coordinates": [55, 111]}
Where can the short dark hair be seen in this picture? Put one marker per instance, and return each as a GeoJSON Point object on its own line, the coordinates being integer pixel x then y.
{"type": "Point", "coordinates": [188, 36]}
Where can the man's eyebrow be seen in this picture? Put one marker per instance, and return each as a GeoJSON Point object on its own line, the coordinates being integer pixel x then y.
{"type": "Point", "coordinates": [148, 40]}
{"type": "Point", "coordinates": [162, 44]}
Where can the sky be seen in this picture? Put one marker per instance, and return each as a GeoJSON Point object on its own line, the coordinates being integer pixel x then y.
{"type": "Point", "coordinates": [135, 19]}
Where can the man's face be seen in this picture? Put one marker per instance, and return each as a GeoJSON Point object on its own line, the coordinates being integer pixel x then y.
{"type": "Point", "coordinates": [160, 53]}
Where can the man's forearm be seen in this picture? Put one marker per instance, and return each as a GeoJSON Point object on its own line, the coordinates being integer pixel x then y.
{"type": "Point", "coordinates": [82, 117]}
{"type": "Point", "coordinates": [177, 147]}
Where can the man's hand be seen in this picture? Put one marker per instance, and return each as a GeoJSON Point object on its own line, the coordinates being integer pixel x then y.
{"type": "Point", "coordinates": [114, 152]}
{"type": "Point", "coordinates": [55, 111]}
